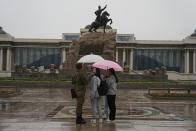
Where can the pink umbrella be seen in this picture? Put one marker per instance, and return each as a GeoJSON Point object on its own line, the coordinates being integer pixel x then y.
{"type": "Point", "coordinates": [107, 65]}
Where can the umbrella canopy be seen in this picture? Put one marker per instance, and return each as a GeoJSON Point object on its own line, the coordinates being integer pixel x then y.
{"type": "Point", "coordinates": [107, 65]}
{"type": "Point", "coordinates": [90, 59]}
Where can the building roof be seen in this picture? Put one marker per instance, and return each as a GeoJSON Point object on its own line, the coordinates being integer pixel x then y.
{"type": "Point", "coordinates": [37, 40]}
{"type": "Point", "coordinates": [190, 40]}
{"type": "Point", "coordinates": [6, 37]}
{"type": "Point", "coordinates": [122, 39]}
{"type": "Point", "coordinates": [159, 42]}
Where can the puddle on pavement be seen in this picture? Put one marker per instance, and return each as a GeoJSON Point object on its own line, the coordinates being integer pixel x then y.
{"type": "Point", "coordinates": [133, 111]}
{"type": "Point", "coordinates": [7, 106]}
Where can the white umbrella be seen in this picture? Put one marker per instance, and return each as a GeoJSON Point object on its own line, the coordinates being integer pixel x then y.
{"type": "Point", "coordinates": [90, 59]}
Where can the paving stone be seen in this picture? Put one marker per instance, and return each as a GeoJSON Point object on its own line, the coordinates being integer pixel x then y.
{"type": "Point", "coordinates": [135, 112]}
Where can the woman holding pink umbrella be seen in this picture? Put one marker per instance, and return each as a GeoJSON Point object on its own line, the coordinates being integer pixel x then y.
{"type": "Point", "coordinates": [112, 81]}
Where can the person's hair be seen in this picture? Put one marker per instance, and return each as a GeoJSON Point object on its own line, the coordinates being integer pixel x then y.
{"type": "Point", "coordinates": [98, 74]}
{"type": "Point", "coordinates": [79, 66]}
{"type": "Point", "coordinates": [114, 74]}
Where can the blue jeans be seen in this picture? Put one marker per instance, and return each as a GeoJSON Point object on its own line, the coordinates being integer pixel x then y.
{"type": "Point", "coordinates": [106, 108]}
{"type": "Point", "coordinates": [96, 106]}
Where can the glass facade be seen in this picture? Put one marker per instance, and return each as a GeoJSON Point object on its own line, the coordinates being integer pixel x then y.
{"type": "Point", "coordinates": [37, 56]}
{"type": "Point", "coordinates": [151, 58]}
{"type": "Point", "coordinates": [71, 37]}
{"type": "Point", "coordinates": [124, 38]}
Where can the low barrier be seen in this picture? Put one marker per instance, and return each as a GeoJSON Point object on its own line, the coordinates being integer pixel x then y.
{"type": "Point", "coordinates": [64, 76]}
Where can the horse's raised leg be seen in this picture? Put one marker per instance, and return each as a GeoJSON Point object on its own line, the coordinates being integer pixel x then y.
{"type": "Point", "coordinates": [95, 30]}
{"type": "Point", "coordinates": [104, 28]}
{"type": "Point", "coordinates": [91, 27]}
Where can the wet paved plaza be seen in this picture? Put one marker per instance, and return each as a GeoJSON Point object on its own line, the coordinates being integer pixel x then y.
{"type": "Point", "coordinates": [45, 109]}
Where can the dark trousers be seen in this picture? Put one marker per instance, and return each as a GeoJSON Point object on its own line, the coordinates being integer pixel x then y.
{"type": "Point", "coordinates": [112, 106]}
{"type": "Point", "coordinates": [80, 101]}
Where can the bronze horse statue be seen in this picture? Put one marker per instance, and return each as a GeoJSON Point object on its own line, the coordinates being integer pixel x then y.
{"type": "Point", "coordinates": [103, 22]}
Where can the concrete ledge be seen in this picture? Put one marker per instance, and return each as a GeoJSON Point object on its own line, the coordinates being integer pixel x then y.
{"type": "Point", "coordinates": [68, 76]}
{"type": "Point", "coordinates": [169, 98]}
{"type": "Point", "coordinates": [5, 74]}
{"type": "Point", "coordinates": [69, 85]}
{"type": "Point", "coordinates": [172, 75]}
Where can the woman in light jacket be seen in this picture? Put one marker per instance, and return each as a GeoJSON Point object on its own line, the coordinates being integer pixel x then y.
{"type": "Point", "coordinates": [95, 98]}
{"type": "Point", "coordinates": [112, 81]}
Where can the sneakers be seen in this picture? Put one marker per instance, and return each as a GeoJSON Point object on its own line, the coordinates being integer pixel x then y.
{"type": "Point", "coordinates": [105, 117]}
{"type": "Point", "coordinates": [93, 121]}
{"type": "Point", "coordinates": [110, 121]}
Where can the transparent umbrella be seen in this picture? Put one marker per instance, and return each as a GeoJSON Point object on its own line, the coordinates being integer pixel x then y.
{"type": "Point", "coordinates": [90, 59]}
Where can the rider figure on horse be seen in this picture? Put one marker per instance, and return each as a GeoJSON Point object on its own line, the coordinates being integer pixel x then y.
{"type": "Point", "coordinates": [101, 19]}
{"type": "Point", "coordinates": [98, 13]}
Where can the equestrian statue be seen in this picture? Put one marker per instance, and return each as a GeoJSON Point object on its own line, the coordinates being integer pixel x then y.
{"type": "Point", "coordinates": [101, 19]}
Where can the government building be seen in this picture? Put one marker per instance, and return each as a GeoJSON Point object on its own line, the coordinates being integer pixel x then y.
{"type": "Point", "coordinates": [138, 55]}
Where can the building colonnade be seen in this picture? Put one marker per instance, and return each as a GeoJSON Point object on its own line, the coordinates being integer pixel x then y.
{"type": "Point", "coordinates": [188, 60]}
{"type": "Point", "coordinates": [131, 57]}
{"type": "Point", "coordinates": [5, 59]}
{"type": "Point", "coordinates": [64, 55]}
{"type": "Point", "coordinates": [124, 56]}
{"type": "Point", "coordinates": [23, 56]}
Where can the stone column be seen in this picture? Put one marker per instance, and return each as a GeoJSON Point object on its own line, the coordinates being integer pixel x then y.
{"type": "Point", "coordinates": [64, 55]}
{"type": "Point", "coordinates": [131, 59]}
{"type": "Point", "coordinates": [194, 61]}
{"type": "Point", "coordinates": [8, 65]}
{"type": "Point", "coordinates": [124, 56]}
{"type": "Point", "coordinates": [116, 54]}
{"type": "Point", "coordinates": [1, 59]}
{"type": "Point", "coordinates": [186, 61]}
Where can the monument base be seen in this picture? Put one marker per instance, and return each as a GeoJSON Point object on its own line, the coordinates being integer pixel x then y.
{"type": "Point", "coordinates": [103, 44]}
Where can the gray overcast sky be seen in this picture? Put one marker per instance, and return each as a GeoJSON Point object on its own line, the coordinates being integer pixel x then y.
{"type": "Point", "coordinates": [147, 19]}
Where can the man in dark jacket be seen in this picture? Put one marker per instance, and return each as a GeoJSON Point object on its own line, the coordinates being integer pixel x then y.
{"type": "Point", "coordinates": [80, 81]}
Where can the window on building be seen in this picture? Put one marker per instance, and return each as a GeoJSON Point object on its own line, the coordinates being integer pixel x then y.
{"type": "Point", "coordinates": [71, 37]}
{"type": "Point", "coordinates": [152, 58]}
{"type": "Point", "coordinates": [37, 57]}
{"type": "Point", "coordinates": [124, 38]}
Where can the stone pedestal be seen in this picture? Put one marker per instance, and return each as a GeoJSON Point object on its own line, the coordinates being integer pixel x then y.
{"type": "Point", "coordinates": [103, 44]}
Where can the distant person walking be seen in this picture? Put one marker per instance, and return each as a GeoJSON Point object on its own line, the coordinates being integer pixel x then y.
{"type": "Point", "coordinates": [95, 98]}
{"type": "Point", "coordinates": [80, 81]}
{"type": "Point", "coordinates": [112, 81]}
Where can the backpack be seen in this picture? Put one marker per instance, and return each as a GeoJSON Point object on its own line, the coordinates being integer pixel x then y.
{"type": "Point", "coordinates": [103, 88]}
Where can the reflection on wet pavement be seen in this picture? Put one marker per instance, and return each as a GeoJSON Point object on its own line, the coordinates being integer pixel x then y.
{"type": "Point", "coordinates": [31, 110]}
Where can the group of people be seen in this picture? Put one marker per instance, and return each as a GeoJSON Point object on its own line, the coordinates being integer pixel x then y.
{"type": "Point", "coordinates": [80, 82]}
